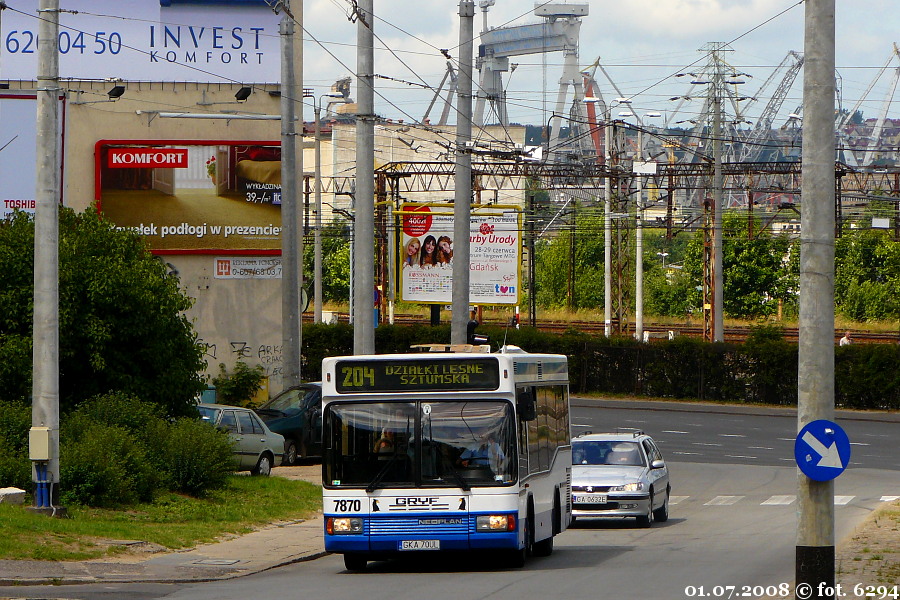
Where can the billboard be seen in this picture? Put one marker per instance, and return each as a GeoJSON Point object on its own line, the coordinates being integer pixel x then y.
{"type": "Point", "coordinates": [18, 151]}
{"type": "Point", "coordinates": [193, 196]}
{"type": "Point", "coordinates": [211, 40]}
{"type": "Point", "coordinates": [426, 254]}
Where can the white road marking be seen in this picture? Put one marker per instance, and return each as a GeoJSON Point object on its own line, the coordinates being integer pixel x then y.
{"type": "Point", "coordinates": [859, 444]}
{"type": "Point", "coordinates": [731, 435]}
{"type": "Point", "coordinates": [723, 501]}
{"type": "Point", "coordinates": [787, 439]}
{"type": "Point", "coordinates": [677, 499]}
{"type": "Point", "coordinates": [759, 448]}
{"type": "Point", "coordinates": [738, 456]}
{"type": "Point", "coordinates": [682, 432]}
{"type": "Point", "coordinates": [704, 444]}
{"type": "Point", "coordinates": [689, 453]}
{"type": "Point", "coordinates": [890, 498]}
{"type": "Point", "coordinates": [779, 501]}
{"type": "Point", "coordinates": [843, 500]}
{"type": "Point", "coordinates": [788, 459]}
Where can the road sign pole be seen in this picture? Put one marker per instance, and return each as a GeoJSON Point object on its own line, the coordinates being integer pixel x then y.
{"type": "Point", "coordinates": [815, 525]}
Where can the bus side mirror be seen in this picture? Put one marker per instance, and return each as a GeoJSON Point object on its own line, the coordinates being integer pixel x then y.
{"type": "Point", "coordinates": [526, 406]}
{"type": "Point", "coordinates": [472, 338]}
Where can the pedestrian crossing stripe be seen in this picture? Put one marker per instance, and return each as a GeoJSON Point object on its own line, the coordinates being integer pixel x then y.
{"type": "Point", "coordinates": [843, 500]}
{"type": "Point", "coordinates": [723, 501]}
{"type": "Point", "coordinates": [677, 499]}
{"type": "Point", "coordinates": [779, 501]}
{"type": "Point", "coordinates": [890, 498]}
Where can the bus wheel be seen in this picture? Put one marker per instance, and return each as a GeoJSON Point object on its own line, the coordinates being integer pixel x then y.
{"type": "Point", "coordinates": [545, 547]}
{"type": "Point", "coordinates": [355, 562]}
{"type": "Point", "coordinates": [516, 559]}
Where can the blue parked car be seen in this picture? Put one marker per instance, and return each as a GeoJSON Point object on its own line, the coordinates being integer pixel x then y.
{"type": "Point", "coordinates": [296, 413]}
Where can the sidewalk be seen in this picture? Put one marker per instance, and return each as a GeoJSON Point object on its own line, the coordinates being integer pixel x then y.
{"type": "Point", "coordinates": [275, 546]}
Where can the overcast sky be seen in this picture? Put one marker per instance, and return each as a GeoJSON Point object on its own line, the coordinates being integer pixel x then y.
{"type": "Point", "coordinates": [641, 43]}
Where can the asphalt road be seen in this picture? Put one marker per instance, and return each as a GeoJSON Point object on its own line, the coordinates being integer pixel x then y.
{"type": "Point", "coordinates": [733, 522]}
{"type": "Point", "coordinates": [728, 434]}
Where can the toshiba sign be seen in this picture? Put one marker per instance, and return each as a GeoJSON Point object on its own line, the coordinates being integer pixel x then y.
{"type": "Point", "coordinates": [147, 158]}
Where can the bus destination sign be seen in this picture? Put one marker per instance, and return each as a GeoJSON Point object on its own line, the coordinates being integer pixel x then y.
{"type": "Point", "coordinates": [417, 375]}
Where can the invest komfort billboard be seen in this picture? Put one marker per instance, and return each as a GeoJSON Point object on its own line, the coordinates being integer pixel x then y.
{"type": "Point", "coordinates": [426, 254]}
{"type": "Point", "coordinates": [167, 40]}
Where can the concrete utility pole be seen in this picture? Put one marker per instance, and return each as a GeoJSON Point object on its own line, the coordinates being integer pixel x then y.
{"type": "Point", "coordinates": [364, 216]}
{"type": "Point", "coordinates": [462, 199]}
{"type": "Point", "coordinates": [291, 236]}
{"type": "Point", "coordinates": [815, 499]}
{"type": "Point", "coordinates": [44, 433]}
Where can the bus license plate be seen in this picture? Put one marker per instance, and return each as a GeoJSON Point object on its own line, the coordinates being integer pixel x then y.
{"type": "Point", "coordinates": [420, 545]}
{"type": "Point", "coordinates": [589, 498]}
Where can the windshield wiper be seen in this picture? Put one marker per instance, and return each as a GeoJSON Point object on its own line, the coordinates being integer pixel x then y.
{"type": "Point", "coordinates": [270, 411]}
{"type": "Point", "coordinates": [383, 472]}
{"type": "Point", "coordinates": [458, 478]}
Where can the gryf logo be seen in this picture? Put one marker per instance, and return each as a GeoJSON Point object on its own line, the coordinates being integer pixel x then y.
{"type": "Point", "coordinates": [223, 267]}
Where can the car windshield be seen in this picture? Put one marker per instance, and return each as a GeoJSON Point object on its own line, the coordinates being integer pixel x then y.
{"type": "Point", "coordinates": [288, 401]}
{"type": "Point", "coordinates": [412, 444]}
{"type": "Point", "coordinates": [606, 453]}
{"type": "Point", "coordinates": [207, 413]}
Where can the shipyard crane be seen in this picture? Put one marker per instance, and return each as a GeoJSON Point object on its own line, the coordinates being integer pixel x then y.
{"type": "Point", "coordinates": [559, 32]}
{"type": "Point", "coordinates": [753, 144]}
{"type": "Point", "coordinates": [869, 150]}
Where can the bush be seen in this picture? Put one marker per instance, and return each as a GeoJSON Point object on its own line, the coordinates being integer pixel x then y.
{"type": "Point", "coordinates": [237, 388]}
{"type": "Point", "coordinates": [15, 466]}
{"type": "Point", "coordinates": [198, 457]}
{"type": "Point", "coordinates": [15, 421]}
{"type": "Point", "coordinates": [103, 466]}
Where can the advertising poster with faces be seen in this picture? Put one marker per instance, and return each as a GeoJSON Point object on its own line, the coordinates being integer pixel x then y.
{"type": "Point", "coordinates": [426, 254]}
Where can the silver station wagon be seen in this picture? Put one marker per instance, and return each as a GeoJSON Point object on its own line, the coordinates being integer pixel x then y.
{"type": "Point", "coordinates": [619, 475]}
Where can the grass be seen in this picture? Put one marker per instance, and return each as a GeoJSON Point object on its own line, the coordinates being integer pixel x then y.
{"type": "Point", "coordinates": [172, 521]}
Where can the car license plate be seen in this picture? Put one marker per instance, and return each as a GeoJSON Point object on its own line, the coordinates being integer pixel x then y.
{"type": "Point", "coordinates": [589, 498]}
{"type": "Point", "coordinates": [420, 545]}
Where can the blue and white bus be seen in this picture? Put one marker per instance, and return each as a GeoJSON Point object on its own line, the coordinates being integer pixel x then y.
{"type": "Point", "coordinates": [445, 451]}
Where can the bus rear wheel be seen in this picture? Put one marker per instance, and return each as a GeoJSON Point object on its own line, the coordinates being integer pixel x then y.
{"type": "Point", "coordinates": [355, 562]}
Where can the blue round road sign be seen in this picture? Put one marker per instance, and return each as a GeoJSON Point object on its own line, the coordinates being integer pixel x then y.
{"type": "Point", "coordinates": [822, 450]}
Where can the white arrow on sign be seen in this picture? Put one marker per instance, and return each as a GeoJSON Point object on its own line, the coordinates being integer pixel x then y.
{"type": "Point", "coordinates": [830, 456]}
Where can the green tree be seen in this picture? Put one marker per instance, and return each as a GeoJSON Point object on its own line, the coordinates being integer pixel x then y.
{"type": "Point", "coordinates": [757, 273]}
{"type": "Point", "coordinates": [867, 273]}
{"type": "Point", "coordinates": [121, 316]}
{"type": "Point", "coordinates": [554, 260]}
{"type": "Point", "coordinates": [335, 262]}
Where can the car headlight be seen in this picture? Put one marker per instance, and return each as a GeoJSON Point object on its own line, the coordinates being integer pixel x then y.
{"type": "Point", "coordinates": [343, 525]}
{"type": "Point", "coordinates": [495, 523]}
{"type": "Point", "coordinates": [628, 487]}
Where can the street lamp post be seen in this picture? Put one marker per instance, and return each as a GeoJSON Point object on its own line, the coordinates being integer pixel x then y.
{"type": "Point", "coordinates": [317, 229]}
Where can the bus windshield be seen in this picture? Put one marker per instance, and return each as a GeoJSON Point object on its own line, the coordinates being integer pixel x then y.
{"type": "Point", "coordinates": [430, 443]}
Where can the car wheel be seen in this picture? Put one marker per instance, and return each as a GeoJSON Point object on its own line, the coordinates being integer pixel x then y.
{"type": "Point", "coordinates": [263, 467]}
{"type": "Point", "coordinates": [290, 454]}
{"type": "Point", "coordinates": [355, 562]}
{"type": "Point", "coordinates": [661, 514]}
{"type": "Point", "coordinates": [646, 520]}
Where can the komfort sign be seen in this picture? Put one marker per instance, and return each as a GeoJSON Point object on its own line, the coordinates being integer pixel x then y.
{"type": "Point", "coordinates": [147, 158]}
{"type": "Point", "coordinates": [141, 40]}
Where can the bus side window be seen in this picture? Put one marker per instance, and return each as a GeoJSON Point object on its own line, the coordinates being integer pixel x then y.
{"type": "Point", "coordinates": [525, 404]}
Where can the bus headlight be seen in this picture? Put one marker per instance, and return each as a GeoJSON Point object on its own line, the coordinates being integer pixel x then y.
{"type": "Point", "coordinates": [343, 525]}
{"type": "Point", "coordinates": [495, 523]}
